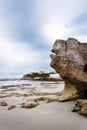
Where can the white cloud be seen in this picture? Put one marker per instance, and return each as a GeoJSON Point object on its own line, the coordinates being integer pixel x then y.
{"type": "Point", "coordinates": [54, 18]}
{"type": "Point", "coordinates": [81, 38]}
{"type": "Point", "coordinates": [16, 55]}
{"type": "Point", "coordinates": [54, 30]}
{"type": "Point", "coordinates": [57, 14]}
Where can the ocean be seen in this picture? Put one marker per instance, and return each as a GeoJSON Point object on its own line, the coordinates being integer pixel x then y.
{"type": "Point", "coordinates": [19, 82]}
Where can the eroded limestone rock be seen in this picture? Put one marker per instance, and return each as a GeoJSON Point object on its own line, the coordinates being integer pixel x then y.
{"type": "Point", "coordinates": [81, 107]}
{"type": "Point", "coordinates": [3, 103]}
{"type": "Point", "coordinates": [70, 61]}
{"type": "Point", "coordinates": [11, 107]}
{"type": "Point", "coordinates": [29, 104]}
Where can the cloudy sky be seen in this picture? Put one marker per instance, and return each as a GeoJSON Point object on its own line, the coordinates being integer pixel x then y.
{"type": "Point", "coordinates": [28, 29]}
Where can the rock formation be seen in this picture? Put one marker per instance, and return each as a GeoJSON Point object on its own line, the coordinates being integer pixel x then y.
{"type": "Point", "coordinates": [3, 103]}
{"type": "Point", "coordinates": [81, 107]}
{"type": "Point", "coordinates": [70, 61]}
{"type": "Point", "coordinates": [29, 104]}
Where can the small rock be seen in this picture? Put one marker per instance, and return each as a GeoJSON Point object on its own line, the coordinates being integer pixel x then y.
{"type": "Point", "coordinates": [81, 107]}
{"type": "Point", "coordinates": [29, 104]}
{"type": "Point", "coordinates": [3, 103]}
{"type": "Point", "coordinates": [11, 107]}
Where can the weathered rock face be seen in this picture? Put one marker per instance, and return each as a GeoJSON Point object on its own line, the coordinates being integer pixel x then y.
{"type": "Point", "coordinates": [70, 61]}
{"type": "Point", "coordinates": [81, 107]}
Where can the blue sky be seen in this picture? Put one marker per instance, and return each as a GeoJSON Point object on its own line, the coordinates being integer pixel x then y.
{"type": "Point", "coordinates": [28, 29]}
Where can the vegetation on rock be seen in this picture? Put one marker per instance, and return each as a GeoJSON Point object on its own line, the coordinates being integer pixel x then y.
{"type": "Point", "coordinates": [38, 74]}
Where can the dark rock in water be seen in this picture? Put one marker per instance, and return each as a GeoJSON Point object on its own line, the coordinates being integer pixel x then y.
{"type": "Point", "coordinates": [81, 107]}
{"type": "Point", "coordinates": [70, 61]}
{"type": "Point", "coordinates": [11, 107]}
{"type": "Point", "coordinates": [3, 103]}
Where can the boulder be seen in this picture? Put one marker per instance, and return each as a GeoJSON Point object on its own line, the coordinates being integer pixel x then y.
{"type": "Point", "coordinates": [3, 103]}
{"type": "Point", "coordinates": [11, 107]}
{"type": "Point", "coordinates": [29, 104]}
{"type": "Point", "coordinates": [81, 107]}
{"type": "Point", "coordinates": [70, 61]}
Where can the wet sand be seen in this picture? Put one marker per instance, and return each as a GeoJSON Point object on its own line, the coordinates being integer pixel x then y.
{"type": "Point", "coordinates": [52, 116]}
{"type": "Point", "coordinates": [45, 116]}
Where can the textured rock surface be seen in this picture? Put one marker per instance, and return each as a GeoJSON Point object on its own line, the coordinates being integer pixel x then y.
{"type": "Point", "coordinates": [70, 61]}
{"type": "Point", "coordinates": [81, 107]}
{"type": "Point", "coordinates": [11, 107]}
{"type": "Point", "coordinates": [29, 104]}
{"type": "Point", "coordinates": [3, 103]}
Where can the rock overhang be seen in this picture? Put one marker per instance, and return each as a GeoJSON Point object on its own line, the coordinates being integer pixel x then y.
{"type": "Point", "coordinates": [69, 60]}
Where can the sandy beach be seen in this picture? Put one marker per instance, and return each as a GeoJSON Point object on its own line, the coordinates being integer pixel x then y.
{"type": "Point", "coordinates": [45, 116]}
{"type": "Point", "coordinates": [52, 116]}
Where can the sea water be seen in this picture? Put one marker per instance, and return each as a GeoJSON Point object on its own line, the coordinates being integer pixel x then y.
{"type": "Point", "coordinates": [28, 82]}
{"type": "Point", "coordinates": [44, 86]}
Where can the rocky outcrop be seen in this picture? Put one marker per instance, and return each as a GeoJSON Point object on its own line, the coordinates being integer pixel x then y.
{"type": "Point", "coordinates": [81, 107]}
{"type": "Point", "coordinates": [42, 76]}
{"type": "Point", "coordinates": [29, 104]}
{"type": "Point", "coordinates": [3, 103]}
{"type": "Point", "coordinates": [11, 107]}
{"type": "Point", "coordinates": [70, 61]}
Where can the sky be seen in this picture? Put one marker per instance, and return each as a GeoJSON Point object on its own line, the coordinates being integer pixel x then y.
{"type": "Point", "coordinates": [28, 29]}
